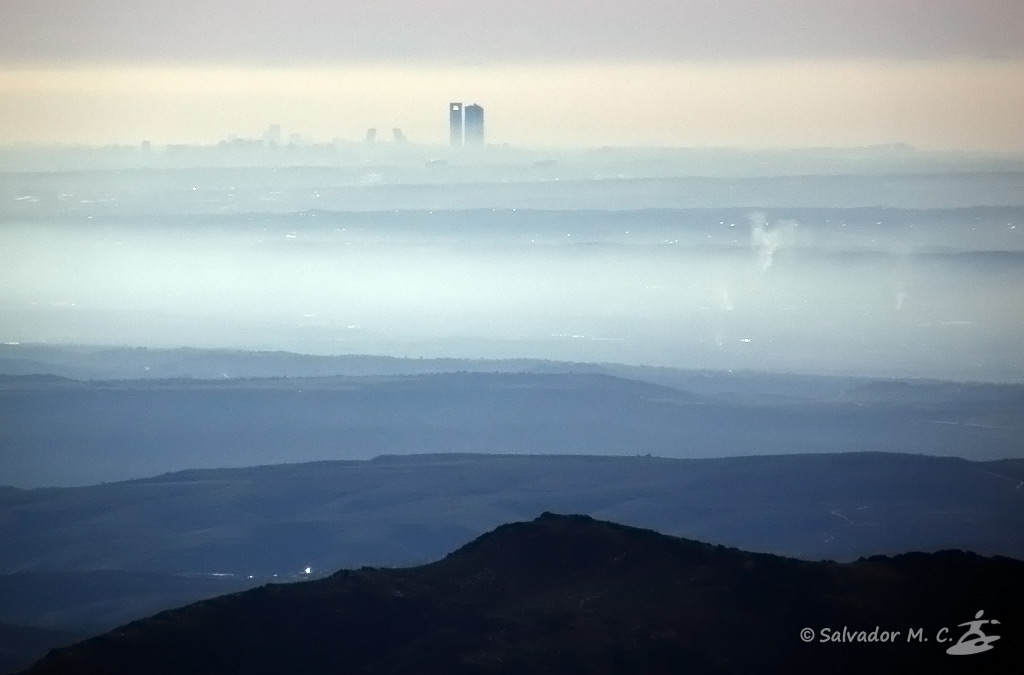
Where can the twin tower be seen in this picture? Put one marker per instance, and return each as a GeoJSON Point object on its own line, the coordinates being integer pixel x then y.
{"type": "Point", "coordinates": [466, 125]}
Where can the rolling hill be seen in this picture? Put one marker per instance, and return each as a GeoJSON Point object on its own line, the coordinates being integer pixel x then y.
{"type": "Point", "coordinates": [569, 594]}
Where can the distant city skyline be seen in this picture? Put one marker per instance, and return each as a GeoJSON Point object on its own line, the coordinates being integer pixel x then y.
{"type": "Point", "coordinates": [940, 74]}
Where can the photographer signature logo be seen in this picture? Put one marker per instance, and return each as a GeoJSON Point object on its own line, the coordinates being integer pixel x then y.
{"type": "Point", "coordinates": [974, 640]}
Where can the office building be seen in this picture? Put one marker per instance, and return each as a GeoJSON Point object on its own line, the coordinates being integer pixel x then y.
{"type": "Point", "coordinates": [474, 125]}
{"type": "Point", "coordinates": [272, 136]}
{"type": "Point", "coordinates": [455, 124]}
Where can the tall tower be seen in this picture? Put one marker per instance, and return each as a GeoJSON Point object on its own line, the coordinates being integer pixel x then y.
{"type": "Point", "coordinates": [474, 125]}
{"type": "Point", "coordinates": [455, 124]}
{"type": "Point", "coordinates": [272, 136]}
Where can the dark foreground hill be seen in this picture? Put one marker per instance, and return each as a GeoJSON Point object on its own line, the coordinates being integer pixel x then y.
{"type": "Point", "coordinates": [89, 559]}
{"type": "Point", "coordinates": [569, 594]}
{"type": "Point", "coordinates": [20, 646]}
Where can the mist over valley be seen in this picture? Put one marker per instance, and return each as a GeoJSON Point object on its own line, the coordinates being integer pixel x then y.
{"type": "Point", "coordinates": [214, 379]}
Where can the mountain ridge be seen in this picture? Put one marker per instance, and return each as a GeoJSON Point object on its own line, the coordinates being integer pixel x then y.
{"type": "Point", "coordinates": [575, 594]}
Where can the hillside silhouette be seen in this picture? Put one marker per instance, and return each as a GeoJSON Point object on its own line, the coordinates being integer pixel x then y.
{"type": "Point", "coordinates": [570, 594]}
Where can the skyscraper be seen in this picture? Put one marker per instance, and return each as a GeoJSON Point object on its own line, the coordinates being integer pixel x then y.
{"type": "Point", "coordinates": [474, 125]}
{"type": "Point", "coordinates": [455, 124]}
{"type": "Point", "coordinates": [272, 136]}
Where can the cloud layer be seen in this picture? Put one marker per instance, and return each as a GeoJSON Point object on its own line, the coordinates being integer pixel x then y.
{"type": "Point", "coordinates": [466, 31]}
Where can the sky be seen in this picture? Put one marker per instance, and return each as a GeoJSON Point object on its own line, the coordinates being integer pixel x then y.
{"type": "Point", "coordinates": [937, 74]}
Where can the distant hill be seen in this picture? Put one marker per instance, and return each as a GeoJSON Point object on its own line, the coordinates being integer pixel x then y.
{"type": "Point", "coordinates": [568, 594]}
{"type": "Point", "coordinates": [138, 363]}
{"type": "Point", "coordinates": [63, 432]}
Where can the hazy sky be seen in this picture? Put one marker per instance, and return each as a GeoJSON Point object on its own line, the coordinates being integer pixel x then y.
{"type": "Point", "coordinates": [937, 74]}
